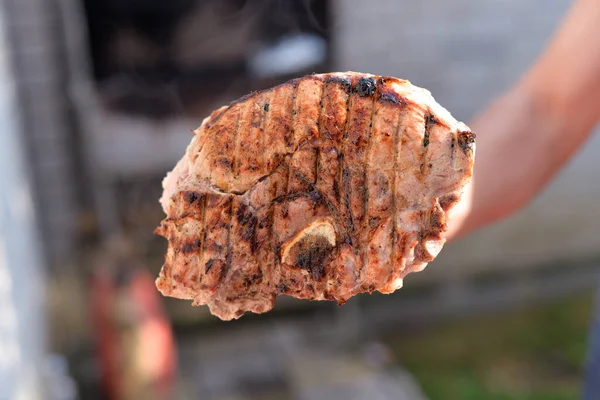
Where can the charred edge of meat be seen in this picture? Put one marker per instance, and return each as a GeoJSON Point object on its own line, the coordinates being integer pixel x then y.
{"type": "Point", "coordinates": [421, 254]}
{"type": "Point", "coordinates": [366, 87]}
{"type": "Point", "coordinates": [346, 239]}
{"type": "Point", "coordinates": [387, 78]}
{"type": "Point", "coordinates": [215, 118]}
{"type": "Point", "coordinates": [243, 216]}
{"type": "Point", "coordinates": [288, 197]}
{"type": "Point", "coordinates": [306, 184]}
{"type": "Point", "coordinates": [247, 220]}
{"type": "Point", "coordinates": [320, 132]}
{"type": "Point", "coordinates": [226, 163]}
{"type": "Point", "coordinates": [208, 266]}
{"type": "Point", "coordinates": [316, 196]}
{"type": "Point", "coordinates": [466, 141]}
{"type": "Point", "coordinates": [373, 223]}
{"type": "Point", "coordinates": [191, 247]}
{"type": "Point", "coordinates": [328, 296]}
{"type": "Point", "coordinates": [311, 193]}
{"type": "Point", "coordinates": [429, 121]}
{"type": "Point", "coordinates": [336, 189]}
{"type": "Point", "coordinates": [387, 95]}
{"type": "Point", "coordinates": [250, 234]}
{"type": "Point", "coordinates": [312, 254]}
{"type": "Point", "coordinates": [447, 201]}
{"type": "Point", "coordinates": [251, 280]}
{"type": "Point", "coordinates": [281, 288]}
{"type": "Point", "coordinates": [344, 82]}
{"type": "Point", "coordinates": [290, 133]}
{"type": "Point", "coordinates": [266, 107]}
{"type": "Point", "coordinates": [192, 197]}
{"type": "Point", "coordinates": [266, 222]}
{"type": "Point", "coordinates": [437, 223]}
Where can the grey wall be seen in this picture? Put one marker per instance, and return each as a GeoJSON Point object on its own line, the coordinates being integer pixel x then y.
{"type": "Point", "coordinates": [35, 34]}
{"type": "Point", "coordinates": [22, 332]}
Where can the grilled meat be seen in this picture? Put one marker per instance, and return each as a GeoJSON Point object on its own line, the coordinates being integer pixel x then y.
{"type": "Point", "coordinates": [321, 188]}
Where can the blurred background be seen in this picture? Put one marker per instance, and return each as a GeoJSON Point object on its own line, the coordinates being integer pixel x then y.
{"type": "Point", "coordinates": [97, 99]}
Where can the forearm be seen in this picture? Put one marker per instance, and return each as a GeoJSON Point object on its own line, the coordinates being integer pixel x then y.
{"type": "Point", "coordinates": [518, 152]}
{"type": "Point", "coordinates": [525, 137]}
{"type": "Point", "coordinates": [566, 77]}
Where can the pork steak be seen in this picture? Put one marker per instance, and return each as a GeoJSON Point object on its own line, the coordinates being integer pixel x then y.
{"type": "Point", "coordinates": [320, 188]}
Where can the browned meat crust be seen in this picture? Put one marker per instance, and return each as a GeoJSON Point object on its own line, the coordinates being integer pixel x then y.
{"type": "Point", "coordinates": [321, 188]}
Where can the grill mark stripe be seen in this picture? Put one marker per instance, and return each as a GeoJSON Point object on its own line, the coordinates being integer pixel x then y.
{"type": "Point", "coordinates": [277, 125]}
{"type": "Point", "coordinates": [319, 132]}
{"type": "Point", "coordinates": [170, 258]}
{"type": "Point", "coordinates": [236, 137]}
{"type": "Point", "coordinates": [303, 162]}
{"type": "Point", "coordinates": [263, 128]}
{"type": "Point", "coordinates": [291, 134]}
{"type": "Point", "coordinates": [263, 266]}
{"type": "Point", "coordinates": [203, 259]}
{"type": "Point", "coordinates": [382, 155]}
{"type": "Point", "coordinates": [420, 252]}
{"type": "Point", "coordinates": [343, 200]}
{"type": "Point", "coordinates": [335, 263]}
{"type": "Point", "coordinates": [284, 206]}
{"type": "Point", "coordinates": [275, 119]}
{"type": "Point", "coordinates": [235, 164]}
{"type": "Point", "coordinates": [321, 126]}
{"type": "Point", "coordinates": [365, 232]}
{"type": "Point", "coordinates": [215, 239]}
{"type": "Point", "coordinates": [358, 132]}
{"type": "Point", "coordinates": [396, 152]}
{"type": "Point", "coordinates": [202, 237]}
{"type": "Point", "coordinates": [269, 241]}
{"type": "Point", "coordinates": [400, 246]}
{"type": "Point", "coordinates": [453, 147]}
{"type": "Point", "coordinates": [429, 123]}
{"type": "Point", "coordinates": [332, 122]}
{"type": "Point", "coordinates": [229, 254]}
{"type": "Point", "coordinates": [328, 84]}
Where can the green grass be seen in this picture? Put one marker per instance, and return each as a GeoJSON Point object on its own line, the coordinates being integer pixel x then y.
{"type": "Point", "coordinates": [536, 353]}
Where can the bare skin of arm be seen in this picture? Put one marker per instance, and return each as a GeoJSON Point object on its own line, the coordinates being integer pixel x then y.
{"type": "Point", "coordinates": [526, 136]}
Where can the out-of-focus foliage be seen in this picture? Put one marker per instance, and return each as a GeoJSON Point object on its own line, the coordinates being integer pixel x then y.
{"type": "Point", "coordinates": [537, 353]}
